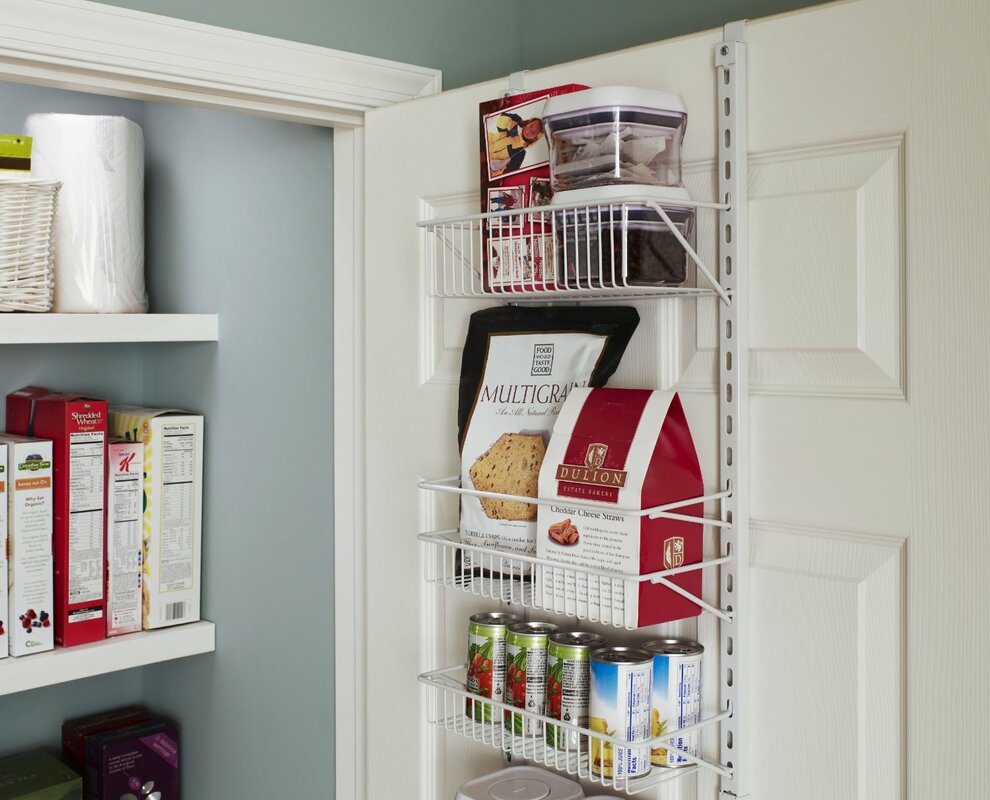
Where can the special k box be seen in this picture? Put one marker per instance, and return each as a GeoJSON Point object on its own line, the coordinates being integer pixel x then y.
{"type": "Point", "coordinates": [626, 449]}
{"type": "Point", "coordinates": [125, 517]}
{"type": "Point", "coordinates": [173, 509]}
{"type": "Point", "coordinates": [77, 427]}
{"type": "Point", "coordinates": [28, 479]}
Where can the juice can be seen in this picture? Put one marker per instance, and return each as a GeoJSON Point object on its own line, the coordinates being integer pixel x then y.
{"type": "Point", "coordinates": [526, 674]}
{"type": "Point", "coordinates": [569, 686]}
{"type": "Point", "coordinates": [486, 661]}
{"type": "Point", "coordinates": [621, 688]}
{"type": "Point", "coordinates": [676, 698]}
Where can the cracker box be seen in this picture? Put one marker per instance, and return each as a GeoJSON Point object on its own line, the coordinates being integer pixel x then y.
{"type": "Point", "coordinates": [515, 174]}
{"type": "Point", "coordinates": [627, 449]}
{"type": "Point", "coordinates": [173, 509]}
{"type": "Point", "coordinates": [77, 427]}
{"type": "Point", "coordinates": [28, 471]}
{"type": "Point", "coordinates": [4, 618]}
{"type": "Point", "coordinates": [140, 761]}
{"type": "Point", "coordinates": [125, 501]}
{"type": "Point", "coordinates": [37, 776]}
{"type": "Point", "coordinates": [76, 731]}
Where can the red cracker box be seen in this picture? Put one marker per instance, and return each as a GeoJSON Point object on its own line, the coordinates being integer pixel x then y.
{"type": "Point", "coordinates": [515, 173]}
{"type": "Point", "coordinates": [627, 449]}
{"type": "Point", "coordinates": [77, 426]}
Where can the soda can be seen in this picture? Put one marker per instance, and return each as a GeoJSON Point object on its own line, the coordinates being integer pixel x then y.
{"type": "Point", "coordinates": [676, 698]}
{"type": "Point", "coordinates": [569, 686]}
{"type": "Point", "coordinates": [621, 688]}
{"type": "Point", "coordinates": [486, 662]}
{"type": "Point", "coordinates": [526, 674]}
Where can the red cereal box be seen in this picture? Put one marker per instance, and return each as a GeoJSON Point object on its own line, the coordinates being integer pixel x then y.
{"type": "Point", "coordinates": [515, 174]}
{"type": "Point", "coordinates": [626, 450]}
{"type": "Point", "coordinates": [77, 427]}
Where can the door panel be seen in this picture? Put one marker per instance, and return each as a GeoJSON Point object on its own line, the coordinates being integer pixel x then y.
{"type": "Point", "coordinates": [868, 375]}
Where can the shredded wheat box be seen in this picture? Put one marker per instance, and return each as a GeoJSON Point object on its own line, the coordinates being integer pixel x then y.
{"type": "Point", "coordinates": [173, 509]}
{"type": "Point", "coordinates": [627, 449]}
{"type": "Point", "coordinates": [28, 470]}
{"type": "Point", "coordinates": [125, 516]}
{"type": "Point", "coordinates": [4, 619]}
{"type": "Point", "coordinates": [77, 426]}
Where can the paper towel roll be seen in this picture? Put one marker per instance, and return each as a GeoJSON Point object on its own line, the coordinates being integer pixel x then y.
{"type": "Point", "coordinates": [99, 225]}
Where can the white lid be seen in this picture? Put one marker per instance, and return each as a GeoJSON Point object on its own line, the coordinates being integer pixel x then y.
{"type": "Point", "coordinates": [594, 195]}
{"type": "Point", "coordinates": [520, 783]}
{"type": "Point", "coordinates": [603, 96]}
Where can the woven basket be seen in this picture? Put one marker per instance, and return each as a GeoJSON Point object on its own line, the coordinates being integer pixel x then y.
{"type": "Point", "coordinates": [27, 217]}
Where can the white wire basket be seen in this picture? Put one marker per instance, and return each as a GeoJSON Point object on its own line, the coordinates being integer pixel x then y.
{"type": "Point", "coordinates": [27, 219]}
{"type": "Point", "coordinates": [580, 752]}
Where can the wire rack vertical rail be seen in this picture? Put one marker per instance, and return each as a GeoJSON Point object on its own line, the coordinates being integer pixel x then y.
{"type": "Point", "coordinates": [733, 248]}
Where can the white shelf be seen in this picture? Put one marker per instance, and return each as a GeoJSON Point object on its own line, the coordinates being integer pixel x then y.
{"type": "Point", "coordinates": [66, 664]}
{"type": "Point", "coordinates": [22, 328]}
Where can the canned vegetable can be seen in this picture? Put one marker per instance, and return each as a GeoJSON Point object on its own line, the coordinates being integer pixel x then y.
{"type": "Point", "coordinates": [676, 698]}
{"type": "Point", "coordinates": [526, 674]}
{"type": "Point", "coordinates": [569, 686]}
{"type": "Point", "coordinates": [621, 689]}
{"type": "Point", "coordinates": [486, 662]}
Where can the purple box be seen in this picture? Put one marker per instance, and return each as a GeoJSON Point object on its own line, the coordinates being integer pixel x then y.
{"type": "Point", "coordinates": [136, 763]}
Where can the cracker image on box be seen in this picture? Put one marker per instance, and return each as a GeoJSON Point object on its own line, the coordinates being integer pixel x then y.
{"type": "Point", "coordinates": [510, 466]}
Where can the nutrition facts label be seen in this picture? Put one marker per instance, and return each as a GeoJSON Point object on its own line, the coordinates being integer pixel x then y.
{"type": "Point", "coordinates": [86, 470]}
{"type": "Point", "coordinates": [175, 568]}
{"type": "Point", "coordinates": [125, 547]}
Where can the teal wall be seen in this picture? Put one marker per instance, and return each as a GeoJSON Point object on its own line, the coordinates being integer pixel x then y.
{"type": "Point", "coordinates": [470, 41]}
{"type": "Point", "coordinates": [239, 214]}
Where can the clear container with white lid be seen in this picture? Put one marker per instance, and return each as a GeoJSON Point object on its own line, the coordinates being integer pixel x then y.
{"type": "Point", "coordinates": [608, 243]}
{"type": "Point", "coordinates": [615, 134]}
{"type": "Point", "coordinates": [521, 783]}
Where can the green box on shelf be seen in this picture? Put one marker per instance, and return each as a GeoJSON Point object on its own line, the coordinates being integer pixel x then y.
{"type": "Point", "coordinates": [37, 776]}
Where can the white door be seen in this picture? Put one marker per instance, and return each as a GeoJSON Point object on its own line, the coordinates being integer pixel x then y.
{"type": "Point", "coordinates": [868, 617]}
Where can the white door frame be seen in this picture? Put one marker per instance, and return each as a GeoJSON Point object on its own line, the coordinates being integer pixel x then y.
{"type": "Point", "coordinates": [91, 47]}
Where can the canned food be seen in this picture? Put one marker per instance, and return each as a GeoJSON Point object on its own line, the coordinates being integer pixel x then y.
{"type": "Point", "coordinates": [621, 686]}
{"type": "Point", "coordinates": [676, 698]}
{"type": "Point", "coordinates": [526, 674]}
{"type": "Point", "coordinates": [569, 686]}
{"type": "Point", "coordinates": [486, 662]}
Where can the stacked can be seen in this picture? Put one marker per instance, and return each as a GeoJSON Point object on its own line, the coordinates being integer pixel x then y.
{"type": "Point", "coordinates": [621, 689]}
{"type": "Point", "coordinates": [569, 686]}
{"type": "Point", "coordinates": [486, 662]}
{"type": "Point", "coordinates": [526, 674]}
{"type": "Point", "coordinates": [676, 698]}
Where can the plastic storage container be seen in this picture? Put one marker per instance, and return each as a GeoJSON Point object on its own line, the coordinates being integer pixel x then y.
{"type": "Point", "coordinates": [615, 134]}
{"type": "Point", "coordinates": [520, 783]}
{"type": "Point", "coordinates": [606, 245]}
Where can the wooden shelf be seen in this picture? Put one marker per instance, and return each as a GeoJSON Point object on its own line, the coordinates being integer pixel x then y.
{"type": "Point", "coordinates": [22, 328]}
{"type": "Point", "coordinates": [111, 655]}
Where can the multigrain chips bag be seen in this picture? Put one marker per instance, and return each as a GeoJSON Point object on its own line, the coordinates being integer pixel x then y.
{"type": "Point", "coordinates": [519, 365]}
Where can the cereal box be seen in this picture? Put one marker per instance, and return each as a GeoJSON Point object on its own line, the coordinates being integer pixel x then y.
{"type": "Point", "coordinates": [140, 761]}
{"type": "Point", "coordinates": [125, 514]}
{"type": "Point", "coordinates": [626, 450]}
{"type": "Point", "coordinates": [76, 731]}
{"type": "Point", "coordinates": [173, 509]}
{"type": "Point", "coordinates": [28, 471]}
{"type": "Point", "coordinates": [515, 174]}
{"type": "Point", "coordinates": [37, 776]}
{"type": "Point", "coordinates": [77, 427]}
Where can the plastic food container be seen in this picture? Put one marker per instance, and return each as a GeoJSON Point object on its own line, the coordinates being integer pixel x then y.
{"type": "Point", "coordinates": [605, 245]}
{"type": "Point", "coordinates": [615, 134]}
{"type": "Point", "coordinates": [520, 783]}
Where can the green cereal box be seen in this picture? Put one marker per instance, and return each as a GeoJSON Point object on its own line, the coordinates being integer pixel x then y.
{"type": "Point", "coordinates": [37, 776]}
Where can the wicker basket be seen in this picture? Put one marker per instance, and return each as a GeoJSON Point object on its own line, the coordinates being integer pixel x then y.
{"type": "Point", "coordinates": [27, 217]}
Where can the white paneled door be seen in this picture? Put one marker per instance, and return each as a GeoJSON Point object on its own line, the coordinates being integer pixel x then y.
{"type": "Point", "coordinates": [869, 378]}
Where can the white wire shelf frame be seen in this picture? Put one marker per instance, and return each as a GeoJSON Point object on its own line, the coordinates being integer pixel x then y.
{"type": "Point", "coordinates": [519, 255]}
{"type": "Point", "coordinates": [453, 708]}
{"type": "Point", "coordinates": [579, 592]}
